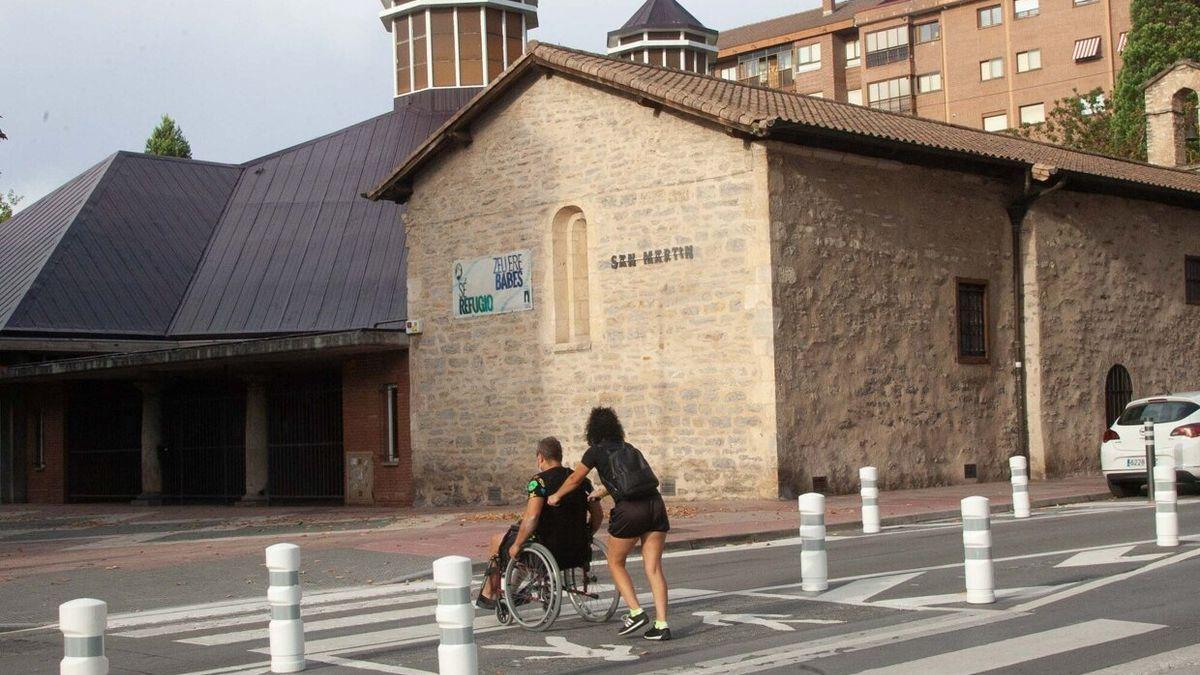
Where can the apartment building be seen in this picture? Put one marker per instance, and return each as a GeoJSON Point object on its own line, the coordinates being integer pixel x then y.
{"type": "Point", "coordinates": [990, 64]}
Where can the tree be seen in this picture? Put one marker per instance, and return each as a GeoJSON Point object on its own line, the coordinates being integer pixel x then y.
{"type": "Point", "coordinates": [167, 140]}
{"type": "Point", "coordinates": [7, 204]}
{"type": "Point", "coordinates": [1080, 121]}
{"type": "Point", "coordinates": [1164, 32]}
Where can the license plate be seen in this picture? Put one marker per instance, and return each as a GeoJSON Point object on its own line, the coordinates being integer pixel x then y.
{"type": "Point", "coordinates": [1135, 463]}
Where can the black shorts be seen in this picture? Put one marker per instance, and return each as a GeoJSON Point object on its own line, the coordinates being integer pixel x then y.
{"type": "Point", "coordinates": [632, 518]}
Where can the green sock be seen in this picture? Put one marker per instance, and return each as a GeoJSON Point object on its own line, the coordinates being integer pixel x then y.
{"type": "Point", "coordinates": [635, 612]}
{"type": "Point", "coordinates": [660, 625]}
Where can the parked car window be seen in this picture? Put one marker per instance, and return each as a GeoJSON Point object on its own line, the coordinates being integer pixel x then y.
{"type": "Point", "coordinates": [1165, 411]}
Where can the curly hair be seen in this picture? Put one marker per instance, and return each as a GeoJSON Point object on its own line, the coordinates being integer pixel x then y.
{"type": "Point", "coordinates": [603, 425]}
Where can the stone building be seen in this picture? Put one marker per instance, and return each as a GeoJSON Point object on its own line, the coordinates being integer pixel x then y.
{"type": "Point", "coordinates": [775, 290]}
{"type": "Point", "coordinates": [772, 289]}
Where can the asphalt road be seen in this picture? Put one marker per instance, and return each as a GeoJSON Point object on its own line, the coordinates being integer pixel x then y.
{"type": "Point", "coordinates": [1081, 589]}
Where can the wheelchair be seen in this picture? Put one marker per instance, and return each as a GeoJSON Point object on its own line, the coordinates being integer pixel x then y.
{"type": "Point", "coordinates": [532, 587]}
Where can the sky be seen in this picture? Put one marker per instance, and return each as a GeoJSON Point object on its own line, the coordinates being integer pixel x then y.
{"type": "Point", "coordinates": [243, 78]}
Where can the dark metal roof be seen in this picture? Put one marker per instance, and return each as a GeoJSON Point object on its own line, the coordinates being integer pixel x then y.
{"type": "Point", "coordinates": [116, 247]}
{"type": "Point", "coordinates": [662, 14]}
{"type": "Point", "coordinates": [298, 249]}
{"type": "Point", "coordinates": [152, 247]}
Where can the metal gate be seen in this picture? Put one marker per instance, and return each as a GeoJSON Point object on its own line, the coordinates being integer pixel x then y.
{"type": "Point", "coordinates": [204, 432]}
{"type": "Point", "coordinates": [104, 442]}
{"type": "Point", "coordinates": [304, 440]}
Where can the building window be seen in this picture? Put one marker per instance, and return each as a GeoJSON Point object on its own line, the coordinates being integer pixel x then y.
{"type": "Point", "coordinates": [1122, 41]}
{"type": "Point", "coordinates": [1085, 2]}
{"type": "Point", "coordinates": [1087, 49]}
{"type": "Point", "coordinates": [1118, 392]}
{"type": "Point", "coordinates": [808, 58]}
{"type": "Point", "coordinates": [929, 82]}
{"type": "Point", "coordinates": [1030, 60]}
{"type": "Point", "coordinates": [392, 396]}
{"type": "Point", "coordinates": [1024, 9]}
{"type": "Point", "coordinates": [887, 46]}
{"type": "Point", "coordinates": [928, 32]}
{"type": "Point", "coordinates": [972, 321]}
{"type": "Point", "coordinates": [853, 54]}
{"type": "Point", "coordinates": [572, 315]}
{"type": "Point", "coordinates": [766, 67]}
{"type": "Point", "coordinates": [995, 122]}
{"type": "Point", "coordinates": [990, 16]}
{"type": "Point", "coordinates": [1192, 277]}
{"type": "Point", "coordinates": [992, 69]}
{"type": "Point", "coordinates": [729, 73]}
{"type": "Point", "coordinates": [816, 94]}
{"type": "Point", "coordinates": [894, 95]}
{"type": "Point", "coordinates": [854, 96]}
{"type": "Point", "coordinates": [1034, 113]}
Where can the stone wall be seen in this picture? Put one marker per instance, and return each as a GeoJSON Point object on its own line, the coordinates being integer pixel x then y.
{"type": "Point", "coordinates": [866, 257]}
{"type": "Point", "coordinates": [682, 349]}
{"type": "Point", "coordinates": [1104, 286]}
{"type": "Point", "coordinates": [1166, 123]}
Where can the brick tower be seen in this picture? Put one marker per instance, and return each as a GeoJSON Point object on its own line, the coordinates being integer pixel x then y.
{"type": "Point", "coordinates": [456, 44]}
{"type": "Point", "coordinates": [663, 33]}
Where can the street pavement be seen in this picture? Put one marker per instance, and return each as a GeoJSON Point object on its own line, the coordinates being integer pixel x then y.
{"type": "Point", "coordinates": [1081, 589]}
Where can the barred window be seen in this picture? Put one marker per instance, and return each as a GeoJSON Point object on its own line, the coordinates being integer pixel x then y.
{"type": "Point", "coordinates": [972, 321]}
{"type": "Point", "coordinates": [1192, 276]}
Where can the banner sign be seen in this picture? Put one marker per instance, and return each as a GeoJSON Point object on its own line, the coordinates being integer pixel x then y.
{"type": "Point", "coordinates": [493, 285]}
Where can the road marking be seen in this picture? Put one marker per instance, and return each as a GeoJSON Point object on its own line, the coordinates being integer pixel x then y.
{"type": "Point", "coordinates": [956, 598]}
{"type": "Point", "coordinates": [1184, 659]}
{"type": "Point", "coordinates": [1100, 583]}
{"type": "Point", "coordinates": [1108, 556]}
{"type": "Point", "coordinates": [777, 622]}
{"type": "Point", "coordinates": [561, 648]}
{"type": "Point", "coordinates": [247, 669]}
{"type": "Point", "coordinates": [367, 665]}
{"type": "Point", "coordinates": [1022, 649]}
{"type": "Point", "coordinates": [261, 615]}
{"type": "Point", "coordinates": [857, 592]}
{"type": "Point", "coordinates": [260, 633]}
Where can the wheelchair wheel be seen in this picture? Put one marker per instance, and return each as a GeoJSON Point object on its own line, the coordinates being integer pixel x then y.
{"type": "Point", "coordinates": [591, 589]}
{"type": "Point", "coordinates": [504, 616]}
{"type": "Point", "coordinates": [532, 587]}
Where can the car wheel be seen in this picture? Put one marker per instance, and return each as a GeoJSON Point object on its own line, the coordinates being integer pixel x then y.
{"type": "Point", "coordinates": [1123, 489]}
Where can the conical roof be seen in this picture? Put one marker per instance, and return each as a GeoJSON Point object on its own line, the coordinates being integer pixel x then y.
{"type": "Point", "coordinates": [662, 14]}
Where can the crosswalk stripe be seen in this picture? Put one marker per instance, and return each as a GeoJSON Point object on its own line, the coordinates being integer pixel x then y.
{"type": "Point", "coordinates": [261, 616]}
{"type": "Point", "coordinates": [245, 606]}
{"type": "Point", "coordinates": [1184, 659]}
{"type": "Point", "coordinates": [1021, 649]}
{"type": "Point", "coordinates": [314, 626]}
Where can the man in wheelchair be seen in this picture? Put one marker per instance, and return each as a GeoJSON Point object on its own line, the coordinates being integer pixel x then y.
{"type": "Point", "coordinates": [565, 530]}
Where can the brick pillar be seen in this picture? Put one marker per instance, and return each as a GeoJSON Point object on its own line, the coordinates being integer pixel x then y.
{"type": "Point", "coordinates": [152, 439]}
{"type": "Point", "coordinates": [46, 426]}
{"type": "Point", "coordinates": [256, 442]}
{"type": "Point", "coordinates": [371, 477]}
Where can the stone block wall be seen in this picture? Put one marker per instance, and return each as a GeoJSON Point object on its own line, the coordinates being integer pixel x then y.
{"type": "Point", "coordinates": [867, 368]}
{"type": "Point", "coordinates": [682, 349]}
{"type": "Point", "coordinates": [364, 425]}
{"type": "Point", "coordinates": [1105, 285]}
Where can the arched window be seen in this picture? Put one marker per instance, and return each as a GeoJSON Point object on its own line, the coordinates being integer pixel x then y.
{"type": "Point", "coordinates": [1118, 392]}
{"type": "Point", "coordinates": [1187, 133]}
{"type": "Point", "coordinates": [572, 316]}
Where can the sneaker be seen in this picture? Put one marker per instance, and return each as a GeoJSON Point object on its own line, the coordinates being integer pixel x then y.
{"type": "Point", "coordinates": [633, 623]}
{"type": "Point", "coordinates": [485, 603]}
{"type": "Point", "coordinates": [659, 634]}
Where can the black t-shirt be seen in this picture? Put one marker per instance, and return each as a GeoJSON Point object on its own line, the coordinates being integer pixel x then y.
{"type": "Point", "coordinates": [563, 528]}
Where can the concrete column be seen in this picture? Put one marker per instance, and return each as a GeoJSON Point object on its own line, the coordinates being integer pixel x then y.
{"type": "Point", "coordinates": [256, 441]}
{"type": "Point", "coordinates": [152, 440]}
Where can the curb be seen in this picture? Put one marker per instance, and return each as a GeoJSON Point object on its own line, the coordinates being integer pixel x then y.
{"type": "Point", "coordinates": [776, 535]}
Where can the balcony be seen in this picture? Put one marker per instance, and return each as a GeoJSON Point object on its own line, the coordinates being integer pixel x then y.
{"type": "Point", "coordinates": [883, 57]}
{"type": "Point", "coordinates": [900, 104]}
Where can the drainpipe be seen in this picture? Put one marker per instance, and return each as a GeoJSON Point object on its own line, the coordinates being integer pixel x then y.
{"type": "Point", "coordinates": [1039, 181]}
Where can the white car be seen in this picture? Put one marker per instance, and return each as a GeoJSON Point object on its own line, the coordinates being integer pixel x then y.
{"type": "Point", "coordinates": [1176, 420]}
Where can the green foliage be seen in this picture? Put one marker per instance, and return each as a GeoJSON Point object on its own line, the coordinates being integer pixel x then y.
{"type": "Point", "coordinates": [1080, 121]}
{"type": "Point", "coordinates": [167, 140]}
{"type": "Point", "coordinates": [7, 204]}
{"type": "Point", "coordinates": [1164, 32]}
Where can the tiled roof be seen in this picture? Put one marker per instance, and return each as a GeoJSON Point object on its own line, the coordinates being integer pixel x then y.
{"type": "Point", "coordinates": [792, 23]}
{"type": "Point", "coordinates": [662, 14]}
{"type": "Point", "coordinates": [762, 112]}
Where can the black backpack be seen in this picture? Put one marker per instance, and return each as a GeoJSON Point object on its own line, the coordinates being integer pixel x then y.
{"type": "Point", "coordinates": [628, 475]}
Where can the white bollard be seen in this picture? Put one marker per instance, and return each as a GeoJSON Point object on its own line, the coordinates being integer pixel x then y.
{"type": "Point", "coordinates": [82, 623]}
{"type": "Point", "coordinates": [977, 550]}
{"type": "Point", "coordinates": [286, 627]}
{"type": "Point", "coordinates": [868, 477]}
{"type": "Point", "coordinates": [1166, 517]}
{"type": "Point", "coordinates": [814, 564]}
{"type": "Point", "coordinates": [1020, 486]}
{"type": "Point", "coordinates": [457, 653]}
